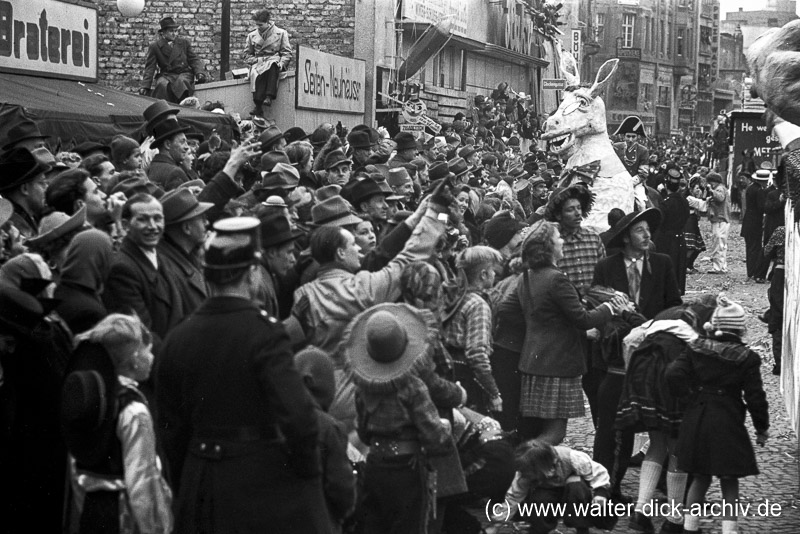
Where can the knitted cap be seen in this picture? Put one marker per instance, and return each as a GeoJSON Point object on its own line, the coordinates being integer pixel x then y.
{"type": "Point", "coordinates": [121, 148]}
{"type": "Point", "coordinates": [728, 315]}
{"type": "Point", "coordinates": [499, 230]}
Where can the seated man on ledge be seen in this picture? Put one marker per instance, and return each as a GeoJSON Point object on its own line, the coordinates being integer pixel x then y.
{"type": "Point", "coordinates": [268, 53]}
{"type": "Point", "coordinates": [178, 66]}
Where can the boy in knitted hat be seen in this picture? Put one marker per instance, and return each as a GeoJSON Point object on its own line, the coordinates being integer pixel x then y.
{"type": "Point", "coordinates": [125, 154]}
{"type": "Point", "coordinates": [723, 377]}
{"type": "Point", "coordinates": [338, 482]}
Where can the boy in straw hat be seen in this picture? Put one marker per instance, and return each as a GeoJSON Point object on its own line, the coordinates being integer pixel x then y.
{"type": "Point", "coordinates": [387, 346]}
{"type": "Point", "coordinates": [723, 378]}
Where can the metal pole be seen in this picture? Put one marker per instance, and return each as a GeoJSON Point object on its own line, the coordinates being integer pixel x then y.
{"type": "Point", "coordinates": [225, 52]}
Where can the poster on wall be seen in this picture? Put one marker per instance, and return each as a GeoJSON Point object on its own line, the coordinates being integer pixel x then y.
{"type": "Point", "coordinates": [49, 38]}
{"type": "Point", "coordinates": [749, 132]}
{"type": "Point", "coordinates": [624, 92]}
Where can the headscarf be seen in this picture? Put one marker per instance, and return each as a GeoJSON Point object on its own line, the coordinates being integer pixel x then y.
{"type": "Point", "coordinates": [88, 260]}
{"type": "Point", "coordinates": [29, 273]}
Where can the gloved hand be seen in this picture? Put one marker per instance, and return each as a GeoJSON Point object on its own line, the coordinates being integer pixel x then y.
{"type": "Point", "coordinates": [200, 77]}
{"type": "Point", "coordinates": [145, 91]}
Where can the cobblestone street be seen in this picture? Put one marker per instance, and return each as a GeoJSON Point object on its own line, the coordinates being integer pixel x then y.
{"type": "Point", "coordinates": [778, 481]}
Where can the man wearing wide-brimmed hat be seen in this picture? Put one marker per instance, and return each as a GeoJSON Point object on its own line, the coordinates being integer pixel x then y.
{"type": "Point", "coordinates": [171, 143]}
{"type": "Point", "coordinates": [22, 182]}
{"type": "Point", "coordinates": [25, 134]}
{"type": "Point", "coordinates": [178, 66]}
{"type": "Point", "coordinates": [239, 427]}
{"type": "Point", "coordinates": [753, 222]}
{"type": "Point", "coordinates": [278, 259]}
{"type": "Point", "coordinates": [185, 224]}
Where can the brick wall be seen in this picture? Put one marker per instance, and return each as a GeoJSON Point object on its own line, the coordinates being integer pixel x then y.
{"type": "Point", "coordinates": [326, 25]}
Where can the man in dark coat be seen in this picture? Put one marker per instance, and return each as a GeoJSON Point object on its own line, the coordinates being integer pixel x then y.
{"type": "Point", "coordinates": [178, 66]}
{"type": "Point", "coordinates": [631, 152]}
{"type": "Point", "coordinates": [170, 141]}
{"type": "Point", "coordinates": [140, 280]}
{"type": "Point", "coordinates": [653, 288]}
{"type": "Point", "coordinates": [239, 428]}
{"type": "Point", "coordinates": [670, 238]}
{"type": "Point", "coordinates": [22, 182]}
{"type": "Point", "coordinates": [753, 223]}
{"type": "Point", "coordinates": [184, 232]}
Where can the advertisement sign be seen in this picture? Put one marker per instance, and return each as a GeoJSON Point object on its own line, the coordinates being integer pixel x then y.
{"type": "Point", "coordinates": [554, 84]}
{"type": "Point", "coordinates": [575, 47]}
{"type": "Point", "coordinates": [749, 132]}
{"type": "Point", "coordinates": [49, 38]}
{"type": "Point", "coordinates": [329, 82]}
{"type": "Point", "coordinates": [432, 11]}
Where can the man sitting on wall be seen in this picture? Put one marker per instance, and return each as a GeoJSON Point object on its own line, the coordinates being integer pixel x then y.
{"type": "Point", "coordinates": [268, 53]}
{"type": "Point", "coordinates": [178, 66]}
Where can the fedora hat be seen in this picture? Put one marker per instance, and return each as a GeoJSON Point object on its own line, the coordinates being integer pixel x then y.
{"type": "Point", "coordinates": [518, 172]}
{"type": "Point", "coordinates": [197, 136]}
{"type": "Point", "coordinates": [405, 141]}
{"type": "Point", "coordinates": [158, 111]}
{"type": "Point", "coordinates": [167, 22]}
{"type": "Point", "coordinates": [272, 158]}
{"type": "Point", "coordinates": [259, 122]}
{"type": "Point", "coordinates": [89, 405]}
{"type": "Point", "coordinates": [651, 215]}
{"type": "Point", "coordinates": [294, 134]}
{"type": "Point", "coordinates": [181, 205]}
{"type": "Point", "coordinates": [167, 128]}
{"type": "Point", "coordinates": [276, 230]}
{"type": "Point", "coordinates": [439, 171]}
{"type": "Point", "coordinates": [234, 244]}
{"type": "Point", "coordinates": [359, 139]}
{"type": "Point", "coordinates": [274, 201]}
{"type": "Point", "coordinates": [320, 136]}
{"type": "Point", "coordinates": [58, 224]}
{"type": "Point", "coordinates": [467, 151]}
{"type": "Point", "coordinates": [327, 191]}
{"type": "Point", "coordinates": [762, 175]}
{"type": "Point", "coordinates": [19, 166]}
{"type": "Point", "coordinates": [22, 131]}
{"type": "Point", "coordinates": [398, 176]}
{"type": "Point", "coordinates": [458, 166]}
{"type": "Point", "coordinates": [87, 147]}
{"type": "Point", "coordinates": [269, 136]}
{"type": "Point", "coordinates": [333, 211]}
{"type": "Point", "coordinates": [632, 124]}
{"type": "Point", "coordinates": [336, 158]}
{"type": "Point", "coordinates": [388, 342]}
{"type": "Point", "coordinates": [364, 189]}
{"type": "Point", "coordinates": [137, 184]}
{"type": "Point", "coordinates": [282, 176]}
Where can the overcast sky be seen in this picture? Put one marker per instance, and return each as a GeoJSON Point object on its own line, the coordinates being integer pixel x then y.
{"type": "Point", "coordinates": [748, 5]}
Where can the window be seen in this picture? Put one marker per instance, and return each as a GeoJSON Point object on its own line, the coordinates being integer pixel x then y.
{"type": "Point", "coordinates": [661, 39]}
{"type": "Point", "coordinates": [599, 27]}
{"type": "Point", "coordinates": [669, 39]}
{"type": "Point", "coordinates": [679, 42]}
{"type": "Point", "coordinates": [663, 96]}
{"type": "Point", "coordinates": [628, 26]}
{"type": "Point", "coordinates": [646, 40]}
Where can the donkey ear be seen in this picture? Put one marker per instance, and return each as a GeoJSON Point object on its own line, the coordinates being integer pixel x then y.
{"type": "Point", "coordinates": [569, 68]}
{"type": "Point", "coordinates": [603, 76]}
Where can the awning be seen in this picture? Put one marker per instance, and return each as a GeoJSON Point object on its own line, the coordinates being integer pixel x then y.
{"type": "Point", "coordinates": [73, 112]}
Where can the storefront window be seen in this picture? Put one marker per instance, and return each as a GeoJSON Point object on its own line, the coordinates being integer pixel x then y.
{"type": "Point", "coordinates": [664, 96]}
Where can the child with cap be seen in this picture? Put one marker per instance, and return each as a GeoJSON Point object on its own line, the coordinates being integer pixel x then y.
{"type": "Point", "coordinates": [338, 482]}
{"type": "Point", "coordinates": [723, 378]}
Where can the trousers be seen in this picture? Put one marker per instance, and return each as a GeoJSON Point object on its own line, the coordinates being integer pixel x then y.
{"type": "Point", "coordinates": [719, 245]}
{"type": "Point", "coordinates": [267, 85]}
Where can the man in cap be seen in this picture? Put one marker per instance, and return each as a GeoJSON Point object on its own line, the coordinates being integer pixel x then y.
{"type": "Point", "coordinates": [337, 168]}
{"type": "Point", "coordinates": [755, 197]}
{"type": "Point", "coordinates": [670, 238]}
{"type": "Point", "coordinates": [402, 185]}
{"type": "Point", "coordinates": [323, 308]}
{"type": "Point", "coordinates": [22, 182]}
{"type": "Point", "coordinates": [630, 151]}
{"type": "Point", "coordinates": [177, 64]}
{"type": "Point", "coordinates": [650, 282]}
{"type": "Point", "coordinates": [185, 225]}
{"type": "Point", "coordinates": [239, 428]}
{"type": "Point", "coordinates": [139, 281]}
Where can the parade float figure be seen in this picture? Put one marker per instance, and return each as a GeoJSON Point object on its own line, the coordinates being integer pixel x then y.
{"type": "Point", "coordinates": [577, 131]}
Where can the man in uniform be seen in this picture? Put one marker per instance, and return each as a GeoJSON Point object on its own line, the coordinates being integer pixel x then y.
{"type": "Point", "coordinates": [630, 151]}
{"type": "Point", "coordinates": [178, 66]}
{"type": "Point", "coordinates": [239, 428]}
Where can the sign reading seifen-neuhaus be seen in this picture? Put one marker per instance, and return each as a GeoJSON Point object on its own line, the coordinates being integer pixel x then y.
{"type": "Point", "coordinates": [329, 82]}
{"type": "Point", "coordinates": [49, 38]}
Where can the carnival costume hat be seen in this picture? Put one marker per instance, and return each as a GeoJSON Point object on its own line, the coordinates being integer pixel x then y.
{"type": "Point", "coordinates": [632, 124]}
{"type": "Point", "coordinates": [560, 196]}
{"type": "Point", "coordinates": [58, 224]}
{"type": "Point", "coordinates": [388, 343]}
{"type": "Point", "coordinates": [651, 215]}
{"type": "Point", "coordinates": [89, 405]}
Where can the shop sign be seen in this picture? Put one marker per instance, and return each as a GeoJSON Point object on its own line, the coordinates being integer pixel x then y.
{"type": "Point", "coordinates": [433, 11]}
{"type": "Point", "coordinates": [629, 53]}
{"type": "Point", "coordinates": [554, 84]}
{"type": "Point", "coordinates": [414, 128]}
{"type": "Point", "coordinates": [329, 82]}
{"type": "Point", "coordinates": [575, 46]}
{"type": "Point", "coordinates": [49, 38]}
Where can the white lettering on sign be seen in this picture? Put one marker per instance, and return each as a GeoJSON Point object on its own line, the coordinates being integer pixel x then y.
{"type": "Point", "coordinates": [576, 47]}
{"type": "Point", "coordinates": [50, 38]}
{"type": "Point", "coordinates": [330, 82]}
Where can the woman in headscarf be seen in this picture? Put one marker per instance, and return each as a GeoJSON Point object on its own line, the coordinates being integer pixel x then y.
{"type": "Point", "coordinates": [86, 267]}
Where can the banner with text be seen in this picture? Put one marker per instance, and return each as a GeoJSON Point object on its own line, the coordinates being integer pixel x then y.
{"type": "Point", "coordinates": [329, 82]}
{"type": "Point", "coordinates": [49, 38]}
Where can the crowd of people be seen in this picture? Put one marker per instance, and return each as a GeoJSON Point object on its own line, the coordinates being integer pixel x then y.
{"type": "Point", "coordinates": [339, 331]}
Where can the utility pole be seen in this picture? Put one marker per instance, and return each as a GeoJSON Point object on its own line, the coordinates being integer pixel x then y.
{"type": "Point", "coordinates": [225, 45]}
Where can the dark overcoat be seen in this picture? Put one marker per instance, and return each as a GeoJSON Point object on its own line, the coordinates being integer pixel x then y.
{"type": "Point", "coordinates": [177, 65]}
{"type": "Point", "coordinates": [238, 427]}
{"type": "Point", "coordinates": [755, 197]}
{"type": "Point", "coordinates": [659, 287]}
{"type": "Point", "coordinates": [669, 238]}
{"type": "Point", "coordinates": [165, 173]}
{"type": "Point", "coordinates": [186, 273]}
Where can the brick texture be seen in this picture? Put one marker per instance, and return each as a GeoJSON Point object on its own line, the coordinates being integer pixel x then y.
{"type": "Point", "coordinates": [326, 25]}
